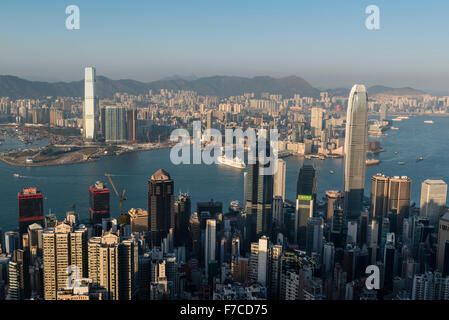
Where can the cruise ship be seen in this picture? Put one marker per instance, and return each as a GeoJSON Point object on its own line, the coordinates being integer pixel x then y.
{"type": "Point", "coordinates": [235, 163]}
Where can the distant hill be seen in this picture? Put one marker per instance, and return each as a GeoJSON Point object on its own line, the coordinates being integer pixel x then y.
{"type": "Point", "coordinates": [221, 86]}
{"type": "Point", "coordinates": [376, 90]}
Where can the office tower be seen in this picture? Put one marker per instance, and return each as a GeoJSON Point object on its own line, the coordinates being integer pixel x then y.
{"type": "Point", "coordinates": [239, 267]}
{"type": "Point", "coordinates": [328, 258]}
{"type": "Point", "coordinates": [160, 205]}
{"type": "Point", "coordinates": [390, 196]}
{"type": "Point", "coordinates": [399, 199]}
{"type": "Point", "coordinates": [259, 198]}
{"type": "Point", "coordinates": [210, 242]}
{"type": "Point", "coordinates": [306, 184]}
{"type": "Point", "coordinates": [443, 236]}
{"type": "Point", "coordinates": [30, 207]}
{"type": "Point", "coordinates": [194, 235]}
{"type": "Point", "coordinates": [131, 125]}
{"type": "Point", "coordinates": [389, 265]}
{"type": "Point", "coordinates": [314, 237]}
{"type": "Point", "coordinates": [262, 261]}
{"type": "Point", "coordinates": [98, 202]}
{"type": "Point", "coordinates": [253, 271]}
{"type": "Point", "coordinates": [115, 124]}
{"type": "Point", "coordinates": [245, 186]}
{"type": "Point", "coordinates": [279, 179]}
{"type": "Point", "coordinates": [182, 215]}
{"type": "Point", "coordinates": [12, 241]}
{"type": "Point", "coordinates": [19, 277]}
{"type": "Point", "coordinates": [379, 196]}
{"type": "Point", "coordinates": [355, 151]}
{"type": "Point", "coordinates": [352, 232]}
{"type": "Point", "coordinates": [383, 112]}
{"type": "Point", "coordinates": [433, 200]}
{"type": "Point", "coordinates": [316, 122]}
{"type": "Point", "coordinates": [334, 198]}
{"type": "Point", "coordinates": [305, 202]}
{"type": "Point", "coordinates": [278, 211]}
{"type": "Point", "coordinates": [138, 220]}
{"type": "Point", "coordinates": [213, 208]}
{"type": "Point", "coordinates": [90, 104]}
{"type": "Point", "coordinates": [62, 248]}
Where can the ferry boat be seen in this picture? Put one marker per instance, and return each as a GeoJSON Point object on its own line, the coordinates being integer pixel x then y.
{"type": "Point", "coordinates": [419, 159]}
{"type": "Point", "coordinates": [394, 128]}
{"type": "Point", "coordinates": [401, 163]}
{"type": "Point", "coordinates": [428, 121]}
{"type": "Point", "coordinates": [331, 171]}
{"type": "Point", "coordinates": [235, 163]}
{"type": "Point", "coordinates": [372, 162]}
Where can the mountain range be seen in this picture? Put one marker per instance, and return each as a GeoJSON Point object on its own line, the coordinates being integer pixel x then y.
{"type": "Point", "coordinates": [221, 86]}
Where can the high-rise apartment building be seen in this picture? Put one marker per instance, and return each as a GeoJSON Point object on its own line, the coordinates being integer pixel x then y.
{"type": "Point", "coordinates": [279, 179]}
{"type": "Point", "coordinates": [115, 124]}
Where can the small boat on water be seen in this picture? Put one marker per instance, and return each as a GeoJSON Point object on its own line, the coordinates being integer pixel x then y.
{"type": "Point", "coordinates": [372, 162]}
{"type": "Point", "coordinates": [395, 152]}
{"type": "Point", "coordinates": [401, 163]}
{"type": "Point", "coordinates": [419, 159]}
{"type": "Point", "coordinates": [331, 171]}
{"type": "Point", "coordinates": [428, 121]}
{"type": "Point", "coordinates": [394, 128]}
{"type": "Point", "coordinates": [16, 175]}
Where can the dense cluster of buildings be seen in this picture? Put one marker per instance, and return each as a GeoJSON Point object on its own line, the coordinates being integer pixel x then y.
{"type": "Point", "coordinates": [270, 247]}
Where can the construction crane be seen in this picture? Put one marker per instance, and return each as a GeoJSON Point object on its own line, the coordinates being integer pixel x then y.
{"type": "Point", "coordinates": [120, 197]}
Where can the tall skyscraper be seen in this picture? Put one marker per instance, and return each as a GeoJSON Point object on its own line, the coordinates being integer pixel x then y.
{"type": "Point", "coordinates": [279, 179]}
{"type": "Point", "coordinates": [131, 124]}
{"type": "Point", "coordinates": [355, 151]}
{"type": "Point", "coordinates": [99, 202]}
{"type": "Point", "coordinates": [433, 200]}
{"type": "Point", "coordinates": [90, 104]}
{"type": "Point", "coordinates": [334, 198]}
{"type": "Point", "coordinates": [183, 210]}
{"type": "Point", "coordinates": [259, 199]}
{"type": "Point", "coordinates": [305, 202]}
{"type": "Point", "coordinates": [30, 207]}
{"type": "Point", "coordinates": [399, 199]}
{"type": "Point", "coordinates": [19, 277]}
{"type": "Point", "coordinates": [210, 243]}
{"type": "Point", "coordinates": [379, 196]}
{"type": "Point", "coordinates": [160, 205]}
{"type": "Point", "coordinates": [115, 124]}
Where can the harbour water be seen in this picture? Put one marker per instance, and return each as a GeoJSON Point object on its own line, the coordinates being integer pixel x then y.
{"type": "Point", "coordinates": [64, 186]}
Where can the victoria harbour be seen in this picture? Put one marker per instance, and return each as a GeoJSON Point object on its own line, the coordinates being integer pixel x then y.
{"type": "Point", "coordinates": [66, 185]}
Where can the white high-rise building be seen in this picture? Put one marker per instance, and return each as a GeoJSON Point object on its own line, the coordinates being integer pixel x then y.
{"type": "Point", "coordinates": [433, 200]}
{"type": "Point", "coordinates": [90, 104]}
{"type": "Point", "coordinates": [316, 121]}
{"type": "Point", "coordinates": [262, 261]}
{"type": "Point", "coordinates": [211, 226]}
{"type": "Point", "coordinates": [279, 179]}
{"type": "Point", "coordinates": [355, 151]}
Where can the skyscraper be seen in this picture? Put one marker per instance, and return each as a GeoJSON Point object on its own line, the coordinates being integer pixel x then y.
{"type": "Point", "coordinates": [160, 205]}
{"type": "Point", "coordinates": [182, 215]}
{"type": "Point", "coordinates": [259, 199]}
{"type": "Point", "coordinates": [19, 277]}
{"type": "Point", "coordinates": [279, 179]}
{"type": "Point", "coordinates": [90, 104]}
{"type": "Point", "coordinates": [316, 122]}
{"type": "Point", "coordinates": [115, 124]}
{"type": "Point", "coordinates": [355, 151]}
{"type": "Point", "coordinates": [305, 202]}
{"type": "Point", "coordinates": [30, 207]}
{"type": "Point", "coordinates": [379, 196]}
{"type": "Point", "coordinates": [98, 202]}
{"type": "Point", "coordinates": [210, 243]}
{"type": "Point", "coordinates": [443, 236]}
{"type": "Point", "coordinates": [433, 199]}
{"type": "Point", "coordinates": [131, 124]}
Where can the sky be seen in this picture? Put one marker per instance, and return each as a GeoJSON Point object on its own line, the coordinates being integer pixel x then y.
{"type": "Point", "coordinates": [323, 41]}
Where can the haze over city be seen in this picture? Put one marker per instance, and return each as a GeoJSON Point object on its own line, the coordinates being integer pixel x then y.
{"type": "Point", "coordinates": [324, 42]}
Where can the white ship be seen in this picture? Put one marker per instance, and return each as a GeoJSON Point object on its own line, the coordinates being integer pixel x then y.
{"type": "Point", "coordinates": [235, 163]}
{"type": "Point", "coordinates": [428, 121]}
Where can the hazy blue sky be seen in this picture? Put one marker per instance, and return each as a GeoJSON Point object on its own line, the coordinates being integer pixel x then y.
{"type": "Point", "coordinates": [325, 42]}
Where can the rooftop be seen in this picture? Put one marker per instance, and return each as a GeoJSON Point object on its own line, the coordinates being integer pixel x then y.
{"type": "Point", "coordinates": [161, 174]}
